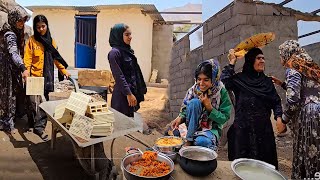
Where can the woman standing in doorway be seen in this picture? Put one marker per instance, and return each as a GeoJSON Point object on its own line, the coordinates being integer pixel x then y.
{"type": "Point", "coordinates": [130, 87]}
{"type": "Point", "coordinates": [11, 66]}
{"type": "Point", "coordinates": [40, 55]}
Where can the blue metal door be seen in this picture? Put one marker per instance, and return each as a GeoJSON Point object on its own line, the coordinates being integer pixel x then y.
{"type": "Point", "coordinates": [85, 42]}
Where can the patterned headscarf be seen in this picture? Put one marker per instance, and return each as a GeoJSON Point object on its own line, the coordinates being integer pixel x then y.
{"type": "Point", "coordinates": [216, 71]}
{"type": "Point", "coordinates": [15, 14]}
{"type": "Point", "coordinates": [296, 57]}
{"type": "Point", "coordinates": [214, 91]}
{"type": "Point", "coordinates": [292, 47]}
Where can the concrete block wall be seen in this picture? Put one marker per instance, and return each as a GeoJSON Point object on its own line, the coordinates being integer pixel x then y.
{"type": "Point", "coordinates": [223, 31]}
{"type": "Point", "coordinates": [161, 49]}
{"type": "Point", "coordinates": [241, 20]}
{"type": "Point", "coordinates": [181, 72]}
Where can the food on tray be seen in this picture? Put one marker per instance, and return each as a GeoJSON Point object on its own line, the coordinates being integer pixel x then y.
{"type": "Point", "coordinates": [167, 141]}
{"type": "Point", "coordinates": [149, 166]}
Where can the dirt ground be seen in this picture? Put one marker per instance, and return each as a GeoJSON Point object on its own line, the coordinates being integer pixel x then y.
{"type": "Point", "coordinates": [24, 156]}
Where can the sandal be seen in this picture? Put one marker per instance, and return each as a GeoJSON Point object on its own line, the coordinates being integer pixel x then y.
{"type": "Point", "coordinates": [11, 131]}
{"type": "Point", "coordinates": [44, 136]}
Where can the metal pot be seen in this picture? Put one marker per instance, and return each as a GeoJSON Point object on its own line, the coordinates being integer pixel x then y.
{"type": "Point", "coordinates": [125, 165]}
{"type": "Point", "coordinates": [243, 167]}
{"type": "Point", "coordinates": [171, 154]}
{"type": "Point", "coordinates": [197, 160]}
{"type": "Point", "coordinates": [174, 148]}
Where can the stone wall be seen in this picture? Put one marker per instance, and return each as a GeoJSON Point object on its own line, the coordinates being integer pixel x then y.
{"type": "Point", "coordinates": [162, 42]}
{"type": "Point", "coordinates": [223, 31]}
{"type": "Point", "coordinates": [313, 51]}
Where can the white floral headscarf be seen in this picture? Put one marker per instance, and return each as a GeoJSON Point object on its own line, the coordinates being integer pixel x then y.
{"type": "Point", "coordinates": [292, 47]}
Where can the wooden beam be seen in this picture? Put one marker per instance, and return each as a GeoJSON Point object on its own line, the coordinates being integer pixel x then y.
{"type": "Point", "coordinates": [195, 23]}
{"type": "Point", "coordinates": [285, 2]}
{"type": "Point", "coordinates": [309, 34]}
{"type": "Point", "coordinates": [315, 12]}
{"type": "Point", "coordinates": [181, 12]}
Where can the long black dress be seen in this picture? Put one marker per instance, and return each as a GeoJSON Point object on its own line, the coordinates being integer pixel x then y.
{"type": "Point", "coordinates": [251, 135]}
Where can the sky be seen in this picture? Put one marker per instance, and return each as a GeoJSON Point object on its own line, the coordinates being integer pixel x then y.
{"type": "Point", "coordinates": [210, 7]}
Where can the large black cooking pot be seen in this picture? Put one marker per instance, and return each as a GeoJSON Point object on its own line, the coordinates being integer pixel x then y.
{"type": "Point", "coordinates": [197, 160]}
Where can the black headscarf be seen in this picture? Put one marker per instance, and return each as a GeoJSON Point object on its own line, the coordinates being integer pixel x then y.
{"type": "Point", "coordinates": [255, 82]}
{"type": "Point", "coordinates": [116, 41]}
{"type": "Point", "coordinates": [50, 54]}
{"type": "Point", "coordinates": [116, 37]}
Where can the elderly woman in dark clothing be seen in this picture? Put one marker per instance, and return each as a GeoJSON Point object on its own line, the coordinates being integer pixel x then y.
{"type": "Point", "coordinates": [11, 66]}
{"type": "Point", "coordinates": [251, 135]}
{"type": "Point", "coordinates": [130, 87]}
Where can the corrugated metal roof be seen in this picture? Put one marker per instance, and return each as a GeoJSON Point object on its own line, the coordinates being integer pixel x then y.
{"type": "Point", "coordinates": [144, 7]}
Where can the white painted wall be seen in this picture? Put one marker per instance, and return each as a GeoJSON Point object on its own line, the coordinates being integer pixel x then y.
{"type": "Point", "coordinates": [141, 27]}
{"type": "Point", "coordinates": [62, 28]}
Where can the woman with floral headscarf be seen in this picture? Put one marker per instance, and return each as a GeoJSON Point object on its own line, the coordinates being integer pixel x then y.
{"type": "Point", "coordinates": [11, 65]}
{"type": "Point", "coordinates": [302, 108]}
{"type": "Point", "coordinates": [205, 108]}
{"type": "Point", "coordinates": [251, 135]}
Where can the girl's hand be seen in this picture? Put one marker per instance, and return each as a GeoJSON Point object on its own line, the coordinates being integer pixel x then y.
{"type": "Point", "coordinates": [68, 75]}
{"type": "Point", "coordinates": [206, 101]}
{"type": "Point", "coordinates": [175, 123]}
{"type": "Point", "coordinates": [132, 101]}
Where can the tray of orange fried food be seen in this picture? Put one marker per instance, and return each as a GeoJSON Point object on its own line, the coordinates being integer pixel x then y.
{"type": "Point", "coordinates": [149, 166]}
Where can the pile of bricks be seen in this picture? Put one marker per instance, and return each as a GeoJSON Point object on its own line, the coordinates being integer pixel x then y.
{"type": "Point", "coordinates": [99, 120]}
{"type": "Point", "coordinates": [103, 119]}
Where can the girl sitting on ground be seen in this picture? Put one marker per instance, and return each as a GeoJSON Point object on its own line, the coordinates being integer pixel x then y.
{"type": "Point", "coordinates": [205, 108]}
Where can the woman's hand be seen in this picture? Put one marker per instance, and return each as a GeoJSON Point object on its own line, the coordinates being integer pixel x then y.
{"type": "Point", "coordinates": [232, 57]}
{"type": "Point", "coordinates": [175, 123]}
{"type": "Point", "coordinates": [276, 81]}
{"type": "Point", "coordinates": [25, 74]}
{"type": "Point", "coordinates": [281, 128]}
{"type": "Point", "coordinates": [206, 102]}
{"type": "Point", "coordinates": [132, 101]}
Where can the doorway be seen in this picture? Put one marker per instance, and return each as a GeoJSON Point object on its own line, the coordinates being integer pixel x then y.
{"type": "Point", "coordinates": [85, 42]}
